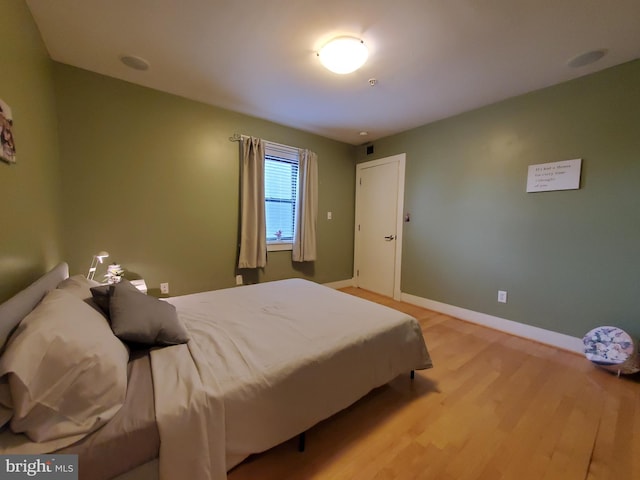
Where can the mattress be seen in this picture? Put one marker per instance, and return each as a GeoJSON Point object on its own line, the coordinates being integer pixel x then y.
{"type": "Point", "coordinates": [276, 358]}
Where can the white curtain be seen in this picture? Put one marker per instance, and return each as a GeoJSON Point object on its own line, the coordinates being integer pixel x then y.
{"type": "Point", "coordinates": [305, 242]}
{"type": "Point", "coordinates": [253, 240]}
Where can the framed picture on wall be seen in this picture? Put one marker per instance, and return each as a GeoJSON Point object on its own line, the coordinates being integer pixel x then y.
{"type": "Point", "coordinates": [7, 145]}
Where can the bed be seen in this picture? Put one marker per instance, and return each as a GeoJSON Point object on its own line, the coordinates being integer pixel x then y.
{"type": "Point", "coordinates": [260, 364]}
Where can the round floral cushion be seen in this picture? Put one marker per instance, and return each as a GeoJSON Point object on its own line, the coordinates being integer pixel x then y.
{"type": "Point", "coordinates": [613, 349]}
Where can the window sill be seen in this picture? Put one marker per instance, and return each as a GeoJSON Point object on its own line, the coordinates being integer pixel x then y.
{"type": "Point", "coordinates": [279, 246]}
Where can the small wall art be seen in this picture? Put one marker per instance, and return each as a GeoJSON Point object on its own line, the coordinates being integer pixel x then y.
{"type": "Point", "coordinates": [7, 145]}
{"type": "Point", "coordinates": [546, 177]}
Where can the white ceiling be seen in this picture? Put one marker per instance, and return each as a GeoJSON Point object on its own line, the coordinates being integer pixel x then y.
{"type": "Point", "coordinates": [432, 58]}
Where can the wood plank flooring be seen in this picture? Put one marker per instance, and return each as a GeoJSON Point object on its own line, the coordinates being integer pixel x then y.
{"type": "Point", "coordinates": [493, 407]}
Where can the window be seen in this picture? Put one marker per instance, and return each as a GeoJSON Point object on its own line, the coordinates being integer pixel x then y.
{"type": "Point", "coordinates": [280, 191]}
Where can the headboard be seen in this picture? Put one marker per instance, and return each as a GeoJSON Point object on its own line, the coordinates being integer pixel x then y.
{"type": "Point", "coordinates": [20, 305]}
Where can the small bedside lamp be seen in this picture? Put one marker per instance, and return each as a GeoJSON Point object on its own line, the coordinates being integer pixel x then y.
{"type": "Point", "coordinates": [97, 258]}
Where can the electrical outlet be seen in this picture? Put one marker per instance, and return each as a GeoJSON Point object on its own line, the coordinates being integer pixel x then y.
{"type": "Point", "coordinates": [502, 296]}
{"type": "Point", "coordinates": [239, 280]}
{"type": "Point", "coordinates": [164, 288]}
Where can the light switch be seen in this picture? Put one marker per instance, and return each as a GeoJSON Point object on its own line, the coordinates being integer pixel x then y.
{"type": "Point", "coordinates": [329, 215]}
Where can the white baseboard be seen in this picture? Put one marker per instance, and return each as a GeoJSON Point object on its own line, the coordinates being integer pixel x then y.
{"type": "Point", "coordinates": [548, 337]}
{"type": "Point", "coordinates": [350, 282]}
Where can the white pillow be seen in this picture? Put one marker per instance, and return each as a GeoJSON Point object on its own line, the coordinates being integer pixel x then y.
{"type": "Point", "coordinates": [67, 372]}
{"type": "Point", "coordinates": [79, 286]}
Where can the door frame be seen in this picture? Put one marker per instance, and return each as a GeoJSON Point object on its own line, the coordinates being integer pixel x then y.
{"type": "Point", "coordinates": [400, 159]}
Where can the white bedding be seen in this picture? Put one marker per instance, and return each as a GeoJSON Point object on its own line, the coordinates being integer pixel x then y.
{"type": "Point", "coordinates": [266, 362]}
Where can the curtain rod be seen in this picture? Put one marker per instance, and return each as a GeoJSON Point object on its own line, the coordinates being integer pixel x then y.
{"type": "Point", "coordinates": [237, 137]}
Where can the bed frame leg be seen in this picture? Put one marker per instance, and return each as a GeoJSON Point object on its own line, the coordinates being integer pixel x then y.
{"type": "Point", "coordinates": [301, 441]}
{"type": "Point", "coordinates": [412, 374]}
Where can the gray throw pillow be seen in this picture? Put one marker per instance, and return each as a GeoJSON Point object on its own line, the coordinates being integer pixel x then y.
{"type": "Point", "coordinates": [139, 318]}
{"type": "Point", "coordinates": [101, 297]}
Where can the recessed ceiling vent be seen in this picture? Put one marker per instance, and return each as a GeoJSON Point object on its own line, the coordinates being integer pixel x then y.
{"type": "Point", "coordinates": [137, 63]}
{"type": "Point", "coordinates": [587, 58]}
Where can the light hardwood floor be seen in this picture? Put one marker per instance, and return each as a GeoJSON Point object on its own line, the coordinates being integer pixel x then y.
{"type": "Point", "coordinates": [493, 407]}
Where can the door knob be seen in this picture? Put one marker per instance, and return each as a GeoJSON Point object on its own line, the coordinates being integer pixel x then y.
{"type": "Point", "coordinates": [388, 238]}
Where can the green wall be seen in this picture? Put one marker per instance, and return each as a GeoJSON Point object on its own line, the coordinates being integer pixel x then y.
{"type": "Point", "coordinates": [568, 259]}
{"type": "Point", "coordinates": [29, 210]}
{"type": "Point", "coordinates": [153, 179]}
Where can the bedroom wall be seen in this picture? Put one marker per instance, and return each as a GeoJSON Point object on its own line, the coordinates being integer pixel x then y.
{"type": "Point", "coordinates": [153, 179]}
{"type": "Point", "coordinates": [29, 211]}
{"type": "Point", "coordinates": [568, 259]}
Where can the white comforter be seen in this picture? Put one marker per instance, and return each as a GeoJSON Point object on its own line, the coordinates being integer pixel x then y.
{"type": "Point", "coordinates": [266, 362]}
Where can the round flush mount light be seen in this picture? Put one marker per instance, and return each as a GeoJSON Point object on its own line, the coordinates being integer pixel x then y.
{"type": "Point", "coordinates": [586, 58]}
{"type": "Point", "coordinates": [343, 55]}
{"type": "Point", "coordinates": [137, 63]}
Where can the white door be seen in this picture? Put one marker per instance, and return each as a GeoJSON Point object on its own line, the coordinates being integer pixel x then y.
{"type": "Point", "coordinates": [378, 233]}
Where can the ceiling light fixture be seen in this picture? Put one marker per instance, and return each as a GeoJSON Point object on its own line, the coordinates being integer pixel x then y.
{"type": "Point", "coordinates": [343, 55]}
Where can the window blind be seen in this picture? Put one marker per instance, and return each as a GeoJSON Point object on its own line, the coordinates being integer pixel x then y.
{"type": "Point", "coordinates": [281, 187]}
